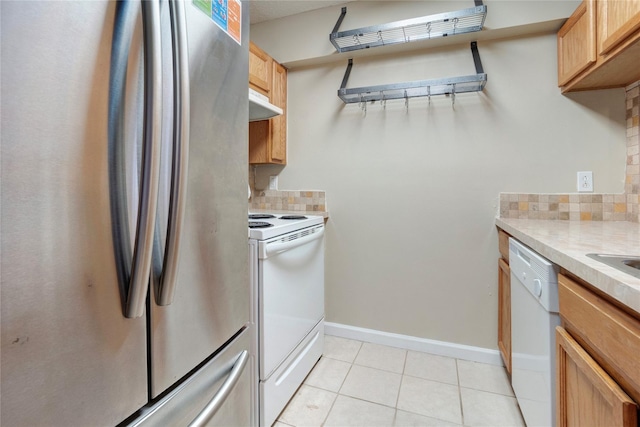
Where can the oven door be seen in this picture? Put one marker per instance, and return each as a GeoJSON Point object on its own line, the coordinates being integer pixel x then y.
{"type": "Point", "coordinates": [291, 293]}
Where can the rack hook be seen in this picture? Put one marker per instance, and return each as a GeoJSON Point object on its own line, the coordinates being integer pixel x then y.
{"type": "Point", "coordinates": [404, 35]}
{"type": "Point", "coordinates": [363, 105]}
{"type": "Point", "coordinates": [406, 101]}
{"type": "Point", "coordinates": [429, 94]}
{"type": "Point", "coordinates": [383, 100]}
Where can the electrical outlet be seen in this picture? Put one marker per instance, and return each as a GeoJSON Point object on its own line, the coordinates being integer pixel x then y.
{"type": "Point", "coordinates": [273, 182]}
{"type": "Point", "coordinates": [585, 182]}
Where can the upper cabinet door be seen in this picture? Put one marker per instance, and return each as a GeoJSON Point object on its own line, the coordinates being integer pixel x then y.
{"type": "Point", "coordinates": [279, 123]}
{"type": "Point", "coordinates": [577, 42]}
{"type": "Point", "coordinates": [260, 65]}
{"type": "Point", "coordinates": [618, 20]}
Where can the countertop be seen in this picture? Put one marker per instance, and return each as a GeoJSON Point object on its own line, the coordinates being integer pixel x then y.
{"type": "Point", "coordinates": [566, 244]}
{"type": "Point", "coordinates": [323, 214]}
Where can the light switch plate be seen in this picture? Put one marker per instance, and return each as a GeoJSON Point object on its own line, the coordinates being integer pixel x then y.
{"type": "Point", "coordinates": [585, 182]}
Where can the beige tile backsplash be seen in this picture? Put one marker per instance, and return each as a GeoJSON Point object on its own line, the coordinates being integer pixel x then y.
{"type": "Point", "coordinates": [308, 201]}
{"type": "Point", "coordinates": [589, 207]}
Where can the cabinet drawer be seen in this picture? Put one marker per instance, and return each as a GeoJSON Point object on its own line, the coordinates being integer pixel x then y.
{"type": "Point", "coordinates": [611, 336]}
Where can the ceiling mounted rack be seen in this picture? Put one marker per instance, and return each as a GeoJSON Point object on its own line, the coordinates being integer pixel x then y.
{"type": "Point", "coordinates": [409, 30]}
{"type": "Point", "coordinates": [421, 88]}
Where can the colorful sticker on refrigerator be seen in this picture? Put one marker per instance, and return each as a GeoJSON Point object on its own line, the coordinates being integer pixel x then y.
{"type": "Point", "coordinates": [227, 14]}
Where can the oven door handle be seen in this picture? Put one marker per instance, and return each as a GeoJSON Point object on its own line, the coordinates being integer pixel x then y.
{"type": "Point", "coordinates": [277, 247]}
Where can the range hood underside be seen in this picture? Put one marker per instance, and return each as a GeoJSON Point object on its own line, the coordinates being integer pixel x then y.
{"type": "Point", "coordinates": [260, 108]}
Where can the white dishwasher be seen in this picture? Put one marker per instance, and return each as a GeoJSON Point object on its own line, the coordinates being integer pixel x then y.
{"type": "Point", "coordinates": [534, 317]}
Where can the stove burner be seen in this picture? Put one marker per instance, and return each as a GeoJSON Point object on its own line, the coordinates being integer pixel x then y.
{"type": "Point", "coordinates": [259, 224]}
{"type": "Point", "coordinates": [293, 217]}
{"type": "Point", "coordinates": [261, 216]}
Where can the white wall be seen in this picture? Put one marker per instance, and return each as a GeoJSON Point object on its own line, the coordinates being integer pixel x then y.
{"type": "Point", "coordinates": [304, 38]}
{"type": "Point", "coordinates": [411, 245]}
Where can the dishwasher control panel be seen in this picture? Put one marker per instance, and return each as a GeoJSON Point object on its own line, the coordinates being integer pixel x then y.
{"type": "Point", "coordinates": [537, 274]}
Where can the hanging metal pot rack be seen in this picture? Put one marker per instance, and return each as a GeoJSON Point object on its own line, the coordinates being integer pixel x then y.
{"type": "Point", "coordinates": [421, 88]}
{"type": "Point", "coordinates": [409, 30]}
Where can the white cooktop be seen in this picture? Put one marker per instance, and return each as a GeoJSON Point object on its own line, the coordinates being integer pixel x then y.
{"type": "Point", "coordinates": [279, 224]}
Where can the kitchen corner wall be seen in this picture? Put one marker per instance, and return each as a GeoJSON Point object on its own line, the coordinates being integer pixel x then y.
{"type": "Point", "coordinates": [411, 245]}
{"type": "Point", "coordinates": [589, 207]}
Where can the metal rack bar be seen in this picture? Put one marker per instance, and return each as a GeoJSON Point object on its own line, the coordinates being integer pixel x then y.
{"type": "Point", "coordinates": [340, 18]}
{"type": "Point", "coordinates": [445, 86]}
{"type": "Point", "coordinates": [476, 58]}
{"type": "Point", "coordinates": [409, 30]}
{"type": "Point", "coordinates": [347, 73]}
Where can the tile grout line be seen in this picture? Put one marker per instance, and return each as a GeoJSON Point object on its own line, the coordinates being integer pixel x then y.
{"type": "Point", "coordinates": [404, 368]}
{"type": "Point", "coordinates": [341, 385]}
{"type": "Point", "coordinates": [460, 393]}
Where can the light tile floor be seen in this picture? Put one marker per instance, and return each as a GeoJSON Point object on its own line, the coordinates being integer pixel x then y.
{"type": "Point", "coordinates": [364, 384]}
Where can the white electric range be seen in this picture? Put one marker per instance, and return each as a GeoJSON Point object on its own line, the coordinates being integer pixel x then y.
{"type": "Point", "coordinates": [287, 274]}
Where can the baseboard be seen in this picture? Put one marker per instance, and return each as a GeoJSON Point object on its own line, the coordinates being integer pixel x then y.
{"type": "Point", "coordinates": [407, 342]}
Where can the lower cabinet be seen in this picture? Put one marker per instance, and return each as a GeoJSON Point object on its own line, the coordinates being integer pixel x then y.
{"type": "Point", "coordinates": [597, 359]}
{"type": "Point", "coordinates": [504, 313]}
{"type": "Point", "coordinates": [504, 300]}
{"type": "Point", "coordinates": [586, 394]}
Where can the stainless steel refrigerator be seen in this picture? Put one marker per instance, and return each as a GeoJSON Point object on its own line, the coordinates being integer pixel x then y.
{"type": "Point", "coordinates": [125, 286]}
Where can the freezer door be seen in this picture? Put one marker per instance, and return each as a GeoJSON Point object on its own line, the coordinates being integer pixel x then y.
{"type": "Point", "coordinates": [219, 393]}
{"type": "Point", "coordinates": [211, 299]}
{"type": "Point", "coordinates": [69, 356]}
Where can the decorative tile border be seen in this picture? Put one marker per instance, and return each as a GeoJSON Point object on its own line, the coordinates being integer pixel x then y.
{"type": "Point", "coordinates": [572, 207]}
{"type": "Point", "coordinates": [589, 207]}
{"type": "Point", "coordinates": [309, 201]}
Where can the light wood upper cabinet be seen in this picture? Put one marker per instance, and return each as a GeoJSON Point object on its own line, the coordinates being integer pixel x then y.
{"type": "Point", "coordinates": [268, 138]}
{"type": "Point", "coordinates": [577, 42]}
{"type": "Point", "coordinates": [618, 20]}
{"type": "Point", "coordinates": [599, 46]}
{"type": "Point", "coordinates": [279, 123]}
{"type": "Point", "coordinates": [260, 70]}
{"type": "Point", "coordinates": [586, 395]}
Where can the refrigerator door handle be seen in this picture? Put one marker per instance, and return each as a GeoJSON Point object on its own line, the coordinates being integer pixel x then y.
{"type": "Point", "coordinates": [216, 402]}
{"type": "Point", "coordinates": [133, 270]}
{"type": "Point", "coordinates": [143, 250]}
{"type": "Point", "coordinates": [166, 282]}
